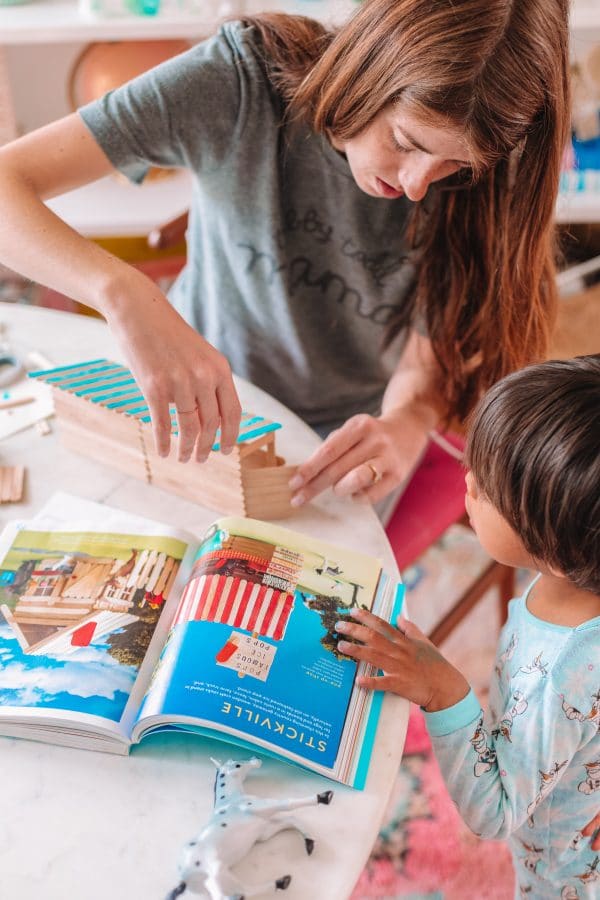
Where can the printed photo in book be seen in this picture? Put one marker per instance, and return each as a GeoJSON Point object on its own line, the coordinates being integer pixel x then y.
{"type": "Point", "coordinates": [107, 636]}
{"type": "Point", "coordinates": [78, 610]}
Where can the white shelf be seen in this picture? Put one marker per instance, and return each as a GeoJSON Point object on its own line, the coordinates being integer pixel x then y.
{"type": "Point", "coordinates": [59, 21]}
{"type": "Point", "coordinates": [578, 208]}
{"type": "Point", "coordinates": [113, 207]}
{"type": "Point", "coordinates": [110, 207]}
{"type": "Point", "coordinates": [585, 16]}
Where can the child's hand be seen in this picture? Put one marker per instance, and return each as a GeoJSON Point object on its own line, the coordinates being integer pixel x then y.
{"type": "Point", "coordinates": [412, 665]}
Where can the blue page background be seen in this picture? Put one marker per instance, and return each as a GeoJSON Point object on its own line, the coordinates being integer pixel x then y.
{"type": "Point", "coordinates": [307, 690]}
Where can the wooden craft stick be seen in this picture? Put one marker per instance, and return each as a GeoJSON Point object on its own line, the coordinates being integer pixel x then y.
{"type": "Point", "coordinates": [11, 483]}
{"type": "Point", "coordinates": [43, 427]}
{"type": "Point", "coordinates": [16, 485]}
{"type": "Point", "coordinates": [18, 401]}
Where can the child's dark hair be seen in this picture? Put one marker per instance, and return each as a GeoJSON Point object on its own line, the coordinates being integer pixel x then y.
{"type": "Point", "coordinates": [534, 450]}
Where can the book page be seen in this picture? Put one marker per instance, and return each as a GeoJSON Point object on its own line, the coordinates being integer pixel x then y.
{"type": "Point", "coordinates": [253, 649]}
{"type": "Point", "coordinates": [79, 609]}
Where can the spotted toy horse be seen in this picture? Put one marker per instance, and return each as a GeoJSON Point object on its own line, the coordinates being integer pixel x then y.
{"type": "Point", "coordinates": [239, 821]}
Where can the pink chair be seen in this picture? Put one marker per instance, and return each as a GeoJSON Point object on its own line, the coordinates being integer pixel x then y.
{"type": "Point", "coordinates": [432, 501]}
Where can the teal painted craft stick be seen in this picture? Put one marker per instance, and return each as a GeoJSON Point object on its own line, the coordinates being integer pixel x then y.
{"type": "Point", "coordinates": [121, 403]}
{"type": "Point", "coordinates": [256, 432]}
{"type": "Point", "coordinates": [100, 398]}
{"type": "Point", "coordinates": [40, 372]}
{"type": "Point", "coordinates": [96, 390]}
{"type": "Point", "coordinates": [245, 420]}
{"type": "Point", "coordinates": [241, 438]}
{"type": "Point", "coordinates": [115, 404]}
{"type": "Point", "coordinates": [272, 426]}
{"type": "Point", "coordinates": [133, 412]}
{"type": "Point", "coordinates": [253, 421]}
{"type": "Point", "coordinates": [114, 370]}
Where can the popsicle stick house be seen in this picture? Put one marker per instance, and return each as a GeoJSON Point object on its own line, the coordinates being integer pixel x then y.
{"type": "Point", "coordinates": [103, 415]}
{"type": "Point", "coordinates": [68, 602]}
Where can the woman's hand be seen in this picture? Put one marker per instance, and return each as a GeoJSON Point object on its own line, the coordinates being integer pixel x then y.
{"type": "Point", "coordinates": [173, 364]}
{"type": "Point", "coordinates": [366, 458]}
{"type": "Point", "coordinates": [169, 360]}
{"type": "Point", "coordinates": [412, 665]}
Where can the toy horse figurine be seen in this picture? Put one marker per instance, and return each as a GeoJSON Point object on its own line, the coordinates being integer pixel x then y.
{"type": "Point", "coordinates": [239, 821]}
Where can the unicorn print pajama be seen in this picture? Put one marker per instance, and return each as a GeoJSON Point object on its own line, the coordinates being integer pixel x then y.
{"type": "Point", "coordinates": [529, 770]}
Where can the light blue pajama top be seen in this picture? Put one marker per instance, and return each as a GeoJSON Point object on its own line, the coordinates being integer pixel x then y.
{"type": "Point", "coordinates": [529, 771]}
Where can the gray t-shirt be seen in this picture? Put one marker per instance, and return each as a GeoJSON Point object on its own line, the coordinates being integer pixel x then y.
{"type": "Point", "coordinates": [292, 270]}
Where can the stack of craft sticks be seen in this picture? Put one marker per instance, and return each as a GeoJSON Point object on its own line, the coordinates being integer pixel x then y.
{"type": "Point", "coordinates": [102, 414]}
{"type": "Point", "coordinates": [11, 483]}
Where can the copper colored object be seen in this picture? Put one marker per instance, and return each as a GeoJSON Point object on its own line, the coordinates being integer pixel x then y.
{"type": "Point", "coordinates": [103, 66]}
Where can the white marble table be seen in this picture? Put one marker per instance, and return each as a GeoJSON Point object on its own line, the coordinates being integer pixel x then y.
{"type": "Point", "coordinates": [92, 826]}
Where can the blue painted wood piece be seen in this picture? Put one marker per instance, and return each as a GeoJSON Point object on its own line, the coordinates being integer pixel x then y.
{"type": "Point", "coordinates": [43, 372]}
{"type": "Point", "coordinates": [75, 380]}
{"type": "Point", "coordinates": [112, 386]}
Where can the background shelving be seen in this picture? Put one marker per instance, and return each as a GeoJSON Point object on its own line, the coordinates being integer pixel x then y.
{"type": "Point", "coordinates": [60, 21]}
{"type": "Point", "coordinates": [41, 40]}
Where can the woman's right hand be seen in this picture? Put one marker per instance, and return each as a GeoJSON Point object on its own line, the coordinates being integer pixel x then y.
{"type": "Point", "coordinates": [173, 364]}
{"type": "Point", "coordinates": [169, 360]}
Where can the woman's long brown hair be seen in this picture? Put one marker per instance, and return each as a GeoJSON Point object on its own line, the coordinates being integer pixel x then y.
{"type": "Point", "coordinates": [485, 248]}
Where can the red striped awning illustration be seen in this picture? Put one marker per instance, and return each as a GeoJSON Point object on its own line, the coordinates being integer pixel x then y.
{"type": "Point", "coordinates": [237, 602]}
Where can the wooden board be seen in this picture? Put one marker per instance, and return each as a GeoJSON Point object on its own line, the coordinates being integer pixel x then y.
{"type": "Point", "coordinates": [11, 483]}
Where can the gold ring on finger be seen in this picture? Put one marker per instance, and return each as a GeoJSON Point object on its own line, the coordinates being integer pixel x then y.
{"type": "Point", "coordinates": [377, 475]}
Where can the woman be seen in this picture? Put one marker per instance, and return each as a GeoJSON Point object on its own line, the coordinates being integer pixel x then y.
{"type": "Point", "coordinates": [371, 234]}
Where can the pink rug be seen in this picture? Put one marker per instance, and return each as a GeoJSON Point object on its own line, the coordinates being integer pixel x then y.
{"type": "Point", "coordinates": [424, 851]}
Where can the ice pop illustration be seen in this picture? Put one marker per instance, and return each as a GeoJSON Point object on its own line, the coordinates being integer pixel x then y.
{"type": "Point", "coordinates": [227, 650]}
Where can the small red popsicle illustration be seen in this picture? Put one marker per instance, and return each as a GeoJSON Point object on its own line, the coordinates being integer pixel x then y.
{"type": "Point", "coordinates": [227, 650]}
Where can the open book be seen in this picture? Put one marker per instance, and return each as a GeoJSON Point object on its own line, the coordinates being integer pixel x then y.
{"type": "Point", "coordinates": [112, 628]}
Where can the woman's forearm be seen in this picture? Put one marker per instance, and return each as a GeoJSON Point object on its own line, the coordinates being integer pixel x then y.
{"type": "Point", "coordinates": [39, 245]}
{"type": "Point", "coordinates": [414, 385]}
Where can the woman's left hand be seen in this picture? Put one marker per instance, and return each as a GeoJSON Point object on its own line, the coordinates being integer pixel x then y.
{"type": "Point", "coordinates": [366, 458]}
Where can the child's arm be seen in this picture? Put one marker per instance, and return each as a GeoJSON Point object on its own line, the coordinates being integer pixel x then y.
{"type": "Point", "coordinates": [496, 779]}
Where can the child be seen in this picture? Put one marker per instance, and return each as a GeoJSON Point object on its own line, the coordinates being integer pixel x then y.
{"type": "Point", "coordinates": [530, 771]}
